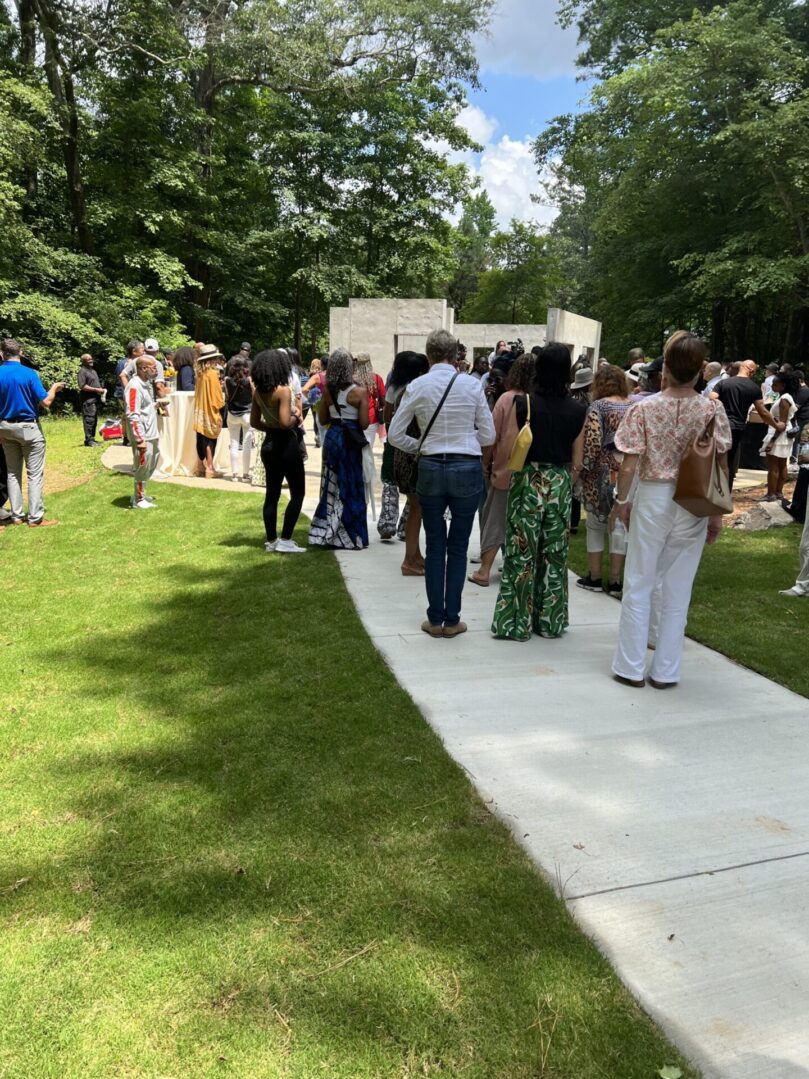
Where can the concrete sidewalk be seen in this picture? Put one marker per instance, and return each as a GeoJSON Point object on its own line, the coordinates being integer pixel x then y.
{"type": "Point", "coordinates": [675, 824]}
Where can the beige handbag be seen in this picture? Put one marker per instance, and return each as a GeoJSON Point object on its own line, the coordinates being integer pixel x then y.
{"type": "Point", "coordinates": [522, 443]}
{"type": "Point", "coordinates": [703, 486]}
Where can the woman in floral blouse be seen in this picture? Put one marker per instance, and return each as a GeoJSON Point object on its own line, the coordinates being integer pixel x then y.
{"type": "Point", "coordinates": [599, 466]}
{"type": "Point", "coordinates": [665, 540]}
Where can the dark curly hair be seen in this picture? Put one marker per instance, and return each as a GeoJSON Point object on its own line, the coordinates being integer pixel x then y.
{"type": "Point", "coordinates": [790, 381]}
{"type": "Point", "coordinates": [184, 357]}
{"type": "Point", "coordinates": [521, 375]}
{"type": "Point", "coordinates": [407, 366]}
{"type": "Point", "coordinates": [271, 368]}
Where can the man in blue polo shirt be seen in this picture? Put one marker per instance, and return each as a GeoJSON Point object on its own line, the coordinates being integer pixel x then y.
{"type": "Point", "coordinates": [21, 397]}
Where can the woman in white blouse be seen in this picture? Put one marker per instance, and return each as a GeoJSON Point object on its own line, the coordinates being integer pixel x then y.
{"type": "Point", "coordinates": [665, 540]}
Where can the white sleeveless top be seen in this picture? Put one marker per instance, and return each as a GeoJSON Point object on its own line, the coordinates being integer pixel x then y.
{"type": "Point", "coordinates": [347, 411]}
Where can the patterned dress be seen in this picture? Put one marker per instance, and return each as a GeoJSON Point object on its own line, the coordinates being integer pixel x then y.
{"type": "Point", "coordinates": [601, 459]}
{"type": "Point", "coordinates": [533, 593]}
{"type": "Point", "coordinates": [341, 518]}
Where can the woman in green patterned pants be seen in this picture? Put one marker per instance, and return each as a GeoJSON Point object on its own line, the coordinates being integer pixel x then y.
{"type": "Point", "coordinates": [533, 586]}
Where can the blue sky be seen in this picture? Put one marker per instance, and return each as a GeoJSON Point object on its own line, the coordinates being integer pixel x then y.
{"type": "Point", "coordinates": [528, 75]}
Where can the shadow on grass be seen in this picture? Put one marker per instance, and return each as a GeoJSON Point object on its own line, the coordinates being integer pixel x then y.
{"type": "Point", "coordinates": [264, 794]}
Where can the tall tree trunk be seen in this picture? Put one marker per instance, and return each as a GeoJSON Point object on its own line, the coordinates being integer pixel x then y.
{"type": "Point", "coordinates": [296, 342]}
{"type": "Point", "coordinates": [60, 83]}
{"type": "Point", "coordinates": [198, 265]}
{"type": "Point", "coordinates": [718, 331]}
{"type": "Point", "coordinates": [28, 50]}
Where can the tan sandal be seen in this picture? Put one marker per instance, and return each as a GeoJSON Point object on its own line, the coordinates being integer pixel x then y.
{"type": "Point", "coordinates": [474, 579]}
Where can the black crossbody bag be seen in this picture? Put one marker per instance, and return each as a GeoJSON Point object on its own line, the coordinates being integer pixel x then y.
{"type": "Point", "coordinates": [435, 415]}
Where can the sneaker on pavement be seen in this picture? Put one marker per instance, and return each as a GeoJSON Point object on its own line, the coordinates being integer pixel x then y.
{"type": "Point", "coordinates": [591, 585]}
{"type": "Point", "coordinates": [289, 547]}
{"type": "Point", "coordinates": [615, 588]}
{"type": "Point", "coordinates": [142, 504]}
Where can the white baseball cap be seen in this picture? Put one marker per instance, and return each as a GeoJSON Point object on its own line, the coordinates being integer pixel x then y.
{"type": "Point", "coordinates": [151, 344]}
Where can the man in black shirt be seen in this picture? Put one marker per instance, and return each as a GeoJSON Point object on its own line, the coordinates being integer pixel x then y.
{"type": "Point", "coordinates": [737, 394]}
{"type": "Point", "coordinates": [91, 390]}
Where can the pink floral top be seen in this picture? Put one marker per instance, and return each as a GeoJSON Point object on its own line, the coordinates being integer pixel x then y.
{"type": "Point", "coordinates": [660, 429]}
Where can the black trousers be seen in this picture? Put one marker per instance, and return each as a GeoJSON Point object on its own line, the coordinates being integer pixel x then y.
{"type": "Point", "coordinates": [89, 417]}
{"type": "Point", "coordinates": [797, 506]}
{"type": "Point", "coordinates": [203, 442]}
{"type": "Point", "coordinates": [282, 460]}
{"type": "Point", "coordinates": [735, 454]}
{"type": "Point", "coordinates": [575, 513]}
{"type": "Point", "coordinates": [3, 478]}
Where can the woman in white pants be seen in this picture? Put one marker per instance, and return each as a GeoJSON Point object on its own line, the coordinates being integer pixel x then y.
{"type": "Point", "coordinates": [665, 540]}
{"type": "Point", "coordinates": [365, 376]}
{"type": "Point", "coordinates": [239, 401]}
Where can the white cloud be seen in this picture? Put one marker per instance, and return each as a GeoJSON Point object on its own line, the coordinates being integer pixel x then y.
{"type": "Point", "coordinates": [508, 172]}
{"type": "Point", "coordinates": [524, 38]}
{"type": "Point", "coordinates": [477, 124]}
{"type": "Point", "coordinates": [506, 169]}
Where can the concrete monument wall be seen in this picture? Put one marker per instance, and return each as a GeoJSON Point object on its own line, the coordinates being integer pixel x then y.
{"type": "Point", "coordinates": [483, 335]}
{"type": "Point", "coordinates": [580, 334]}
{"type": "Point", "coordinates": [384, 327]}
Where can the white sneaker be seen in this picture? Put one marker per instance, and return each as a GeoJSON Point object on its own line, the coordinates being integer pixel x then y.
{"type": "Point", "coordinates": [791, 592]}
{"type": "Point", "coordinates": [143, 504]}
{"type": "Point", "coordinates": [289, 547]}
{"type": "Point", "coordinates": [270, 547]}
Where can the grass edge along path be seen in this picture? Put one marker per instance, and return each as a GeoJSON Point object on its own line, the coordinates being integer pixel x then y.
{"type": "Point", "coordinates": [233, 846]}
{"type": "Point", "coordinates": [735, 607]}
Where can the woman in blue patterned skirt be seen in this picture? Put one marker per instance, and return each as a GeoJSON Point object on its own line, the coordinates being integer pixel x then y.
{"type": "Point", "coordinates": [341, 520]}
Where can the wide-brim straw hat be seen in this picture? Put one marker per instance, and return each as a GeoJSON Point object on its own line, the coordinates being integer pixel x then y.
{"type": "Point", "coordinates": [209, 352]}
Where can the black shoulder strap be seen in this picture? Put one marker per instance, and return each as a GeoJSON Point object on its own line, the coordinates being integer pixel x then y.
{"type": "Point", "coordinates": [434, 416]}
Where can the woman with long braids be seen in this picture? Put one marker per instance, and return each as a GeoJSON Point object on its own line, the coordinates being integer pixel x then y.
{"type": "Point", "coordinates": [340, 520]}
{"type": "Point", "coordinates": [275, 413]}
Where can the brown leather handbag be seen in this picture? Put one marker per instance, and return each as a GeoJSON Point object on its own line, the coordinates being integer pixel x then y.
{"type": "Point", "coordinates": [703, 485]}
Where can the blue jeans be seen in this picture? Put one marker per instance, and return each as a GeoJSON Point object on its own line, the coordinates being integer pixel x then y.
{"type": "Point", "coordinates": [455, 482]}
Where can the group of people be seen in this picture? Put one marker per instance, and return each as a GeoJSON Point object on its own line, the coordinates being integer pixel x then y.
{"type": "Point", "coordinates": [607, 441]}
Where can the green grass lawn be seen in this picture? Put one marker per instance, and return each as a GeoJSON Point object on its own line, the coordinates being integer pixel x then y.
{"type": "Point", "coordinates": [736, 608]}
{"type": "Point", "coordinates": [232, 846]}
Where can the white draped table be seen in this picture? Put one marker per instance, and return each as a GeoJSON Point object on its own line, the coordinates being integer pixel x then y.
{"type": "Point", "coordinates": [178, 439]}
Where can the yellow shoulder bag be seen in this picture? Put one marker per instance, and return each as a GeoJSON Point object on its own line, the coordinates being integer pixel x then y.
{"type": "Point", "coordinates": [522, 443]}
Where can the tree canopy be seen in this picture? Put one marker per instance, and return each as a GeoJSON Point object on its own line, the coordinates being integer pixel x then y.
{"type": "Point", "coordinates": [221, 170]}
{"type": "Point", "coordinates": [683, 187]}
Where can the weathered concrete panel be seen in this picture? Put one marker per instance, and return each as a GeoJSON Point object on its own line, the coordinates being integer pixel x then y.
{"type": "Point", "coordinates": [421, 316]}
{"type": "Point", "coordinates": [485, 335]}
{"type": "Point", "coordinates": [339, 328]}
{"type": "Point", "coordinates": [381, 327]}
{"type": "Point", "coordinates": [583, 335]}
